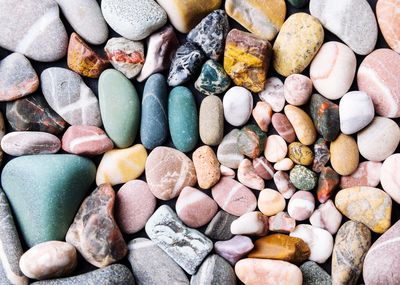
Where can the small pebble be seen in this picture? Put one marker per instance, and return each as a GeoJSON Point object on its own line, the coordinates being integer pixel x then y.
{"type": "Point", "coordinates": [327, 217]}
{"type": "Point", "coordinates": [325, 115]}
{"type": "Point", "coordinates": [302, 124]}
{"type": "Point", "coordinates": [275, 148]}
{"type": "Point", "coordinates": [297, 89]}
{"type": "Point", "coordinates": [271, 202]}
{"type": "Point", "coordinates": [248, 176]}
{"type": "Point", "coordinates": [207, 167]}
{"type": "Point", "coordinates": [285, 164]}
{"type": "Point", "coordinates": [262, 114]}
{"type": "Point", "coordinates": [25, 143]}
{"type": "Point", "coordinates": [251, 141]}
{"type": "Point", "coordinates": [238, 104]}
{"type": "Point", "coordinates": [283, 127]}
{"type": "Point", "coordinates": [367, 174]}
{"type": "Point", "coordinates": [300, 154]}
{"type": "Point", "coordinates": [263, 168]}
{"type": "Point", "coordinates": [228, 152]}
{"type": "Point", "coordinates": [273, 94]}
{"type": "Point", "coordinates": [282, 223]}
{"type": "Point", "coordinates": [213, 79]}
{"type": "Point", "coordinates": [234, 249]}
{"type": "Point", "coordinates": [344, 155]}
{"type": "Point", "coordinates": [220, 226]}
{"type": "Point", "coordinates": [313, 274]}
{"type": "Point", "coordinates": [301, 205]}
{"type": "Point", "coordinates": [327, 182]}
{"type": "Point", "coordinates": [283, 184]}
{"type": "Point", "coordinates": [252, 223]}
{"type": "Point", "coordinates": [303, 178]}
{"type": "Point", "coordinates": [321, 155]}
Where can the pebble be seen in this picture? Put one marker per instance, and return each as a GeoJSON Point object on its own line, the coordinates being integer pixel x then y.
{"type": "Point", "coordinates": [49, 260]}
{"type": "Point", "coordinates": [262, 114]}
{"type": "Point", "coordinates": [251, 141]}
{"type": "Point", "coordinates": [120, 107]}
{"type": "Point", "coordinates": [226, 171]}
{"type": "Point", "coordinates": [263, 168]}
{"type": "Point", "coordinates": [211, 121]}
{"type": "Point", "coordinates": [154, 120]}
{"type": "Point", "coordinates": [134, 20]}
{"type": "Point", "coordinates": [298, 41]}
{"type": "Point", "coordinates": [283, 184]}
{"type": "Point", "coordinates": [300, 154]}
{"type": "Point", "coordinates": [151, 265]}
{"type": "Point", "coordinates": [285, 164]}
{"type": "Point", "coordinates": [302, 124]}
{"type": "Point", "coordinates": [313, 274]}
{"type": "Point", "coordinates": [210, 34]}
{"type": "Point", "coordinates": [344, 155]}
{"type": "Point", "coordinates": [368, 205]}
{"type": "Point", "coordinates": [333, 69]}
{"type": "Point", "coordinates": [250, 68]}
{"type": "Point", "coordinates": [62, 179]}
{"type": "Point", "coordinates": [32, 113]}
{"type": "Point", "coordinates": [233, 197]}
{"type": "Point", "coordinates": [297, 89]}
{"type": "Point", "coordinates": [266, 271]}
{"type": "Point", "coordinates": [228, 152]}
{"type": "Point", "coordinates": [356, 111]}
{"type": "Point", "coordinates": [207, 167]}
{"type": "Point", "coordinates": [325, 115]}
{"type": "Point", "coordinates": [186, 62]}
{"type": "Point", "coordinates": [183, 119]}
{"type": "Point", "coordinates": [340, 19]}
{"type": "Point", "coordinates": [18, 78]}
{"type": "Point", "coordinates": [388, 176]}
{"type": "Point", "coordinates": [378, 76]}
{"type": "Point", "coordinates": [220, 226]}
{"type": "Point", "coordinates": [318, 240]}
{"type": "Point", "coordinates": [125, 55]}
{"type": "Point", "coordinates": [275, 148]}
{"type": "Point", "coordinates": [321, 155]}
{"type": "Point", "coordinates": [234, 249]}
{"type": "Point", "coordinates": [213, 79]}
{"type": "Point", "coordinates": [271, 202]}
{"type": "Point", "coordinates": [121, 165]}
{"type": "Point", "coordinates": [282, 223]}
{"type": "Point", "coordinates": [262, 20]}
{"type": "Point", "coordinates": [327, 217]}
{"type": "Point", "coordinates": [387, 13]}
{"type": "Point", "coordinates": [214, 271]}
{"type": "Point", "coordinates": [352, 242]}
{"type": "Point", "coordinates": [281, 247]}
{"type": "Point", "coordinates": [367, 174]}
{"type": "Point", "coordinates": [195, 208]}
{"type": "Point", "coordinates": [379, 140]}
{"type": "Point", "coordinates": [273, 94]}
{"type": "Point", "coordinates": [248, 176]}
{"type": "Point", "coordinates": [67, 94]}
{"type": "Point", "coordinates": [134, 204]}
{"type": "Point", "coordinates": [161, 47]}
{"type": "Point", "coordinates": [301, 205]}
{"type": "Point", "coordinates": [252, 223]}
{"type": "Point", "coordinates": [303, 178]}
{"type": "Point", "coordinates": [41, 35]}
{"type": "Point", "coordinates": [186, 246]}
{"type": "Point", "coordinates": [86, 19]}
{"type": "Point", "coordinates": [283, 127]}
{"type": "Point", "coordinates": [84, 60]}
{"type": "Point", "coordinates": [168, 171]}
{"type": "Point", "coordinates": [94, 232]}
{"type": "Point", "coordinates": [238, 105]}
{"type": "Point", "coordinates": [327, 183]}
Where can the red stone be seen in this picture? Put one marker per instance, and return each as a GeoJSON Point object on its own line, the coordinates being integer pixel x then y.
{"type": "Point", "coordinates": [327, 183]}
{"type": "Point", "coordinates": [283, 127]}
{"type": "Point", "coordinates": [263, 168]}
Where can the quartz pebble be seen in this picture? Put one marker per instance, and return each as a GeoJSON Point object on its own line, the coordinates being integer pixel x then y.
{"type": "Point", "coordinates": [220, 226]}
{"type": "Point", "coordinates": [387, 13]}
{"type": "Point", "coordinates": [301, 205]}
{"type": "Point", "coordinates": [282, 223]}
{"type": "Point", "coordinates": [24, 143]}
{"type": "Point", "coordinates": [262, 114]}
{"type": "Point", "coordinates": [344, 154]}
{"type": "Point", "coordinates": [263, 168]}
{"type": "Point", "coordinates": [300, 154]}
{"type": "Point", "coordinates": [303, 178]}
{"type": "Point", "coordinates": [327, 217]}
{"type": "Point", "coordinates": [251, 141]}
{"type": "Point", "coordinates": [248, 176]}
{"type": "Point", "coordinates": [283, 127]}
{"type": "Point", "coordinates": [285, 164]}
{"type": "Point", "coordinates": [226, 171]}
{"type": "Point", "coordinates": [321, 155]}
{"type": "Point", "coordinates": [228, 152]}
{"type": "Point", "coordinates": [273, 94]}
{"type": "Point", "coordinates": [275, 148]}
{"type": "Point", "coordinates": [297, 89]}
{"type": "Point", "coordinates": [211, 120]}
{"type": "Point", "coordinates": [313, 274]}
{"type": "Point", "coordinates": [252, 223]}
{"type": "Point", "coordinates": [271, 202]}
{"type": "Point", "coordinates": [213, 79]}
{"type": "Point", "coordinates": [327, 182]}
{"type": "Point", "coordinates": [325, 115]}
{"type": "Point", "coordinates": [238, 104]}
{"type": "Point", "coordinates": [389, 178]}
{"type": "Point", "coordinates": [302, 124]}
{"type": "Point", "coordinates": [367, 174]}
{"type": "Point", "coordinates": [234, 249]}
{"type": "Point", "coordinates": [206, 165]}
{"type": "Point", "coordinates": [214, 270]}
{"type": "Point", "coordinates": [283, 184]}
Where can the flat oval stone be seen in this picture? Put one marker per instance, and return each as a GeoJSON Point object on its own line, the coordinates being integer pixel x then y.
{"type": "Point", "coordinates": [303, 178]}
{"type": "Point", "coordinates": [183, 119]}
{"type": "Point", "coordinates": [275, 148]}
{"type": "Point", "coordinates": [262, 114]}
{"type": "Point", "coordinates": [238, 104]}
{"type": "Point", "coordinates": [214, 270]}
{"type": "Point", "coordinates": [168, 171]}
{"type": "Point", "coordinates": [211, 120]}
{"type": "Point", "coordinates": [228, 152]}
{"type": "Point", "coordinates": [387, 13]}
{"type": "Point", "coordinates": [298, 41]}
{"type": "Point", "coordinates": [263, 168]}
{"type": "Point", "coordinates": [313, 274]}
{"type": "Point", "coordinates": [86, 140]}
{"type": "Point", "coordinates": [339, 18]}
{"type": "Point", "coordinates": [49, 260]}
{"type": "Point", "coordinates": [219, 227]}
{"type": "Point", "coordinates": [300, 154]}
{"type": "Point", "coordinates": [213, 79]}
{"type": "Point", "coordinates": [207, 167]}
{"type": "Point", "coordinates": [285, 164]}
{"type": "Point", "coordinates": [344, 155]}
{"type": "Point", "coordinates": [368, 205]}
{"type": "Point", "coordinates": [234, 249]}
{"type": "Point", "coordinates": [252, 223]}
{"type": "Point", "coordinates": [333, 69]}
{"type": "Point", "coordinates": [233, 197]}
{"type": "Point", "coordinates": [283, 184]}
{"type": "Point", "coordinates": [251, 141]}
{"type": "Point", "coordinates": [273, 94]}
{"type": "Point", "coordinates": [281, 223]}
{"type": "Point", "coordinates": [325, 115]}
{"type": "Point", "coordinates": [327, 217]}
{"type": "Point", "coordinates": [24, 143]}
{"type": "Point", "coordinates": [134, 205]}
{"type": "Point", "coordinates": [154, 120]}
{"type": "Point", "coordinates": [367, 174]}
{"type": "Point", "coordinates": [248, 176]}
{"type": "Point", "coordinates": [388, 176]}
{"type": "Point", "coordinates": [302, 124]}
{"type": "Point", "coordinates": [297, 89]}
{"type": "Point", "coordinates": [321, 155]}
{"type": "Point", "coordinates": [120, 107]}
{"type": "Point", "coordinates": [271, 202]}
{"type": "Point", "coordinates": [301, 205]}
{"type": "Point", "coordinates": [283, 127]}
{"type": "Point", "coordinates": [327, 182]}
{"type": "Point", "coordinates": [378, 76]}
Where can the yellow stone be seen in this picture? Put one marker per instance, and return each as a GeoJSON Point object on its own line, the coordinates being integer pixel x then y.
{"type": "Point", "coordinates": [297, 43]}
{"type": "Point", "coordinates": [263, 18]}
{"type": "Point", "coordinates": [302, 124]}
{"type": "Point", "coordinates": [300, 154]}
{"type": "Point", "coordinates": [368, 205]}
{"type": "Point", "coordinates": [344, 155]}
{"type": "Point", "coordinates": [121, 165]}
{"type": "Point", "coordinates": [184, 15]}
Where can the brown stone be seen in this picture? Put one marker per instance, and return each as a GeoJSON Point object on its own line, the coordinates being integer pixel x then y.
{"type": "Point", "coordinates": [207, 167]}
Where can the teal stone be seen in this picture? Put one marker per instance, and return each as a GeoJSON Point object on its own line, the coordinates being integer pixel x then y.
{"type": "Point", "coordinates": [119, 107]}
{"type": "Point", "coordinates": [303, 178]}
{"type": "Point", "coordinates": [298, 3]}
{"type": "Point", "coordinates": [45, 192]}
{"type": "Point", "coordinates": [183, 119]}
{"type": "Point", "coordinates": [325, 115]}
{"type": "Point", "coordinates": [213, 79]}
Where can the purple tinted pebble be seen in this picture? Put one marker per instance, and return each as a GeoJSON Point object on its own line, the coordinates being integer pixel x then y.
{"type": "Point", "coordinates": [234, 249]}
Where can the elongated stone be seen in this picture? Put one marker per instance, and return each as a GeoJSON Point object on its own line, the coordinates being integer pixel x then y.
{"type": "Point", "coordinates": [325, 115]}
{"type": "Point", "coordinates": [238, 104]}
{"type": "Point", "coordinates": [211, 120]}
{"type": "Point", "coordinates": [321, 155]}
{"type": "Point", "coordinates": [220, 226]}
{"type": "Point", "coordinates": [263, 168]}
{"type": "Point", "coordinates": [213, 79]}
{"type": "Point", "coordinates": [327, 182]}
{"type": "Point", "coordinates": [344, 154]}
{"type": "Point", "coordinates": [302, 124]}
{"type": "Point", "coordinates": [214, 271]}
{"type": "Point", "coordinates": [283, 184]}
{"type": "Point", "coordinates": [262, 114]}
{"type": "Point", "coordinates": [234, 249]}
{"type": "Point", "coordinates": [228, 152]}
{"type": "Point", "coordinates": [387, 14]}
{"type": "Point", "coordinates": [207, 167]}
{"type": "Point", "coordinates": [283, 127]}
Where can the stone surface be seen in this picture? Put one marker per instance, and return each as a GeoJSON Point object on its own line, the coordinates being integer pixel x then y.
{"type": "Point", "coordinates": [226, 171]}
{"type": "Point", "coordinates": [321, 155]}
{"type": "Point", "coordinates": [134, 204]}
{"type": "Point", "coordinates": [219, 227]}
{"type": "Point", "coordinates": [285, 164]}
{"type": "Point", "coordinates": [327, 217]}
{"type": "Point", "coordinates": [214, 271]}
{"type": "Point", "coordinates": [50, 259]}
{"type": "Point", "coordinates": [183, 119]}
{"type": "Point", "coordinates": [120, 107]}
{"type": "Point", "coordinates": [271, 202]}
{"type": "Point", "coordinates": [378, 76]}
{"type": "Point", "coordinates": [251, 141]}
{"type": "Point", "coordinates": [303, 178]}
{"type": "Point", "coordinates": [283, 127]}
{"type": "Point", "coordinates": [298, 4]}
{"type": "Point", "coordinates": [211, 120]}
{"type": "Point", "coordinates": [328, 180]}
{"type": "Point", "coordinates": [389, 178]}
{"type": "Point", "coordinates": [344, 154]}
{"type": "Point", "coordinates": [263, 168]}
{"type": "Point", "coordinates": [246, 59]}
{"type": "Point", "coordinates": [185, 246]}
{"type": "Point", "coordinates": [283, 184]}
{"type": "Point", "coordinates": [301, 205]}
{"type": "Point", "coordinates": [252, 223]}
{"type": "Point", "coordinates": [207, 167]}
{"type": "Point", "coordinates": [333, 69]}
{"type": "Point", "coordinates": [273, 94]}
{"type": "Point", "coordinates": [275, 148]}
{"type": "Point", "coordinates": [281, 223]}
{"type": "Point", "coordinates": [297, 89]}
{"type": "Point", "coordinates": [70, 97]}
{"type": "Point", "coordinates": [367, 174]}
{"type": "Point", "coordinates": [234, 249]}
{"type": "Point", "coordinates": [325, 115]}
{"type": "Point", "coordinates": [368, 205]}
{"type": "Point", "coordinates": [121, 165]}
{"type": "Point", "coordinates": [213, 79]}
{"type": "Point", "coordinates": [348, 23]}
{"type": "Point", "coordinates": [298, 41]}
{"type": "Point", "coordinates": [30, 182]}
{"type": "Point", "coordinates": [302, 124]}
{"type": "Point", "coordinates": [262, 114]}
{"type": "Point", "coordinates": [387, 13]}
{"type": "Point", "coordinates": [313, 274]}
{"type": "Point", "coordinates": [238, 104]}
{"type": "Point", "coordinates": [248, 176]}
{"type": "Point", "coordinates": [94, 232]}
{"type": "Point", "coordinates": [33, 29]}
{"type": "Point", "coordinates": [168, 171]}
{"type": "Point", "coordinates": [300, 154]}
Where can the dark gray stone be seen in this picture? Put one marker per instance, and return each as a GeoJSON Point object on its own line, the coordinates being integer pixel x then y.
{"type": "Point", "coordinates": [220, 226]}
{"type": "Point", "coordinates": [313, 274]}
{"type": "Point", "coordinates": [214, 271]}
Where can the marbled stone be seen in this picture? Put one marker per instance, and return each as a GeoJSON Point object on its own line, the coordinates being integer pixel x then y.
{"type": "Point", "coordinates": [367, 174]}
{"type": "Point", "coordinates": [211, 120]}
{"type": "Point", "coordinates": [251, 141]}
{"type": "Point", "coordinates": [281, 223]}
{"type": "Point", "coordinates": [321, 155]}
{"type": "Point", "coordinates": [283, 184]}
{"type": "Point", "coordinates": [248, 176]}
{"type": "Point", "coordinates": [207, 167]}
{"type": "Point", "coordinates": [285, 164]}
{"type": "Point", "coordinates": [302, 124]}
{"type": "Point", "coordinates": [387, 13]}
{"type": "Point", "coordinates": [219, 227]}
{"type": "Point", "coordinates": [238, 105]}
{"type": "Point", "coordinates": [297, 89]}
{"type": "Point", "coordinates": [214, 271]}
{"type": "Point", "coordinates": [326, 217]}
{"type": "Point", "coordinates": [301, 205]}
{"type": "Point", "coordinates": [234, 249]}
{"type": "Point", "coordinates": [303, 178]}
{"type": "Point", "coordinates": [213, 79]}
{"type": "Point", "coordinates": [344, 154]}
{"type": "Point", "coordinates": [327, 182]}
{"type": "Point", "coordinates": [273, 94]}
{"type": "Point", "coordinates": [275, 148]}
{"type": "Point", "coordinates": [283, 127]}
{"type": "Point", "coordinates": [263, 168]}
{"type": "Point", "coordinates": [252, 223]}
{"type": "Point", "coordinates": [313, 274]}
{"type": "Point", "coordinates": [271, 202]}
{"type": "Point", "coordinates": [300, 153]}
{"type": "Point", "coordinates": [262, 114]}
{"type": "Point", "coordinates": [325, 115]}
{"type": "Point", "coordinates": [389, 178]}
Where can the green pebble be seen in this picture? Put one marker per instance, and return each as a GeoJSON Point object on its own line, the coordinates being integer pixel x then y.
{"type": "Point", "coordinates": [213, 79]}
{"type": "Point", "coordinates": [303, 178]}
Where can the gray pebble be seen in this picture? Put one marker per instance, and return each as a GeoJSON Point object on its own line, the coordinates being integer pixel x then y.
{"type": "Point", "coordinates": [220, 226]}
{"type": "Point", "coordinates": [214, 271]}
{"type": "Point", "coordinates": [313, 274]}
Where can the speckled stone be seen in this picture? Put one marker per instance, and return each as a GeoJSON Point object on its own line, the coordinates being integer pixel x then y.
{"type": "Point", "coordinates": [367, 174]}
{"type": "Point", "coordinates": [300, 153]}
{"type": "Point", "coordinates": [213, 79]}
{"type": "Point", "coordinates": [325, 115]}
{"type": "Point", "coordinates": [327, 182]}
{"type": "Point", "coordinates": [207, 167]}
{"type": "Point", "coordinates": [263, 168]}
{"type": "Point", "coordinates": [273, 94]}
{"type": "Point", "coordinates": [321, 155]}
{"type": "Point", "coordinates": [313, 274]}
{"type": "Point", "coordinates": [303, 178]}
{"type": "Point", "coordinates": [238, 105]}
{"type": "Point", "coordinates": [297, 89]}
{"type": "Point", "coordinates": [251, 141]}
{"type": "Point", "coordinates": [214, 271]}
{"type": "Point", "coordinates": [327, 217]}
{"type": "Point", "coordinates": [211, 120]}
{"type": "Point", "coordinates": [251, 224]}
{"type": "Point", "coordinates": [248, 176]}
{"type": "Point", "coordinates": [234, 249]}
{"type": "Point", "coordinates": [344, 155]}
{"type": "Point", "coordinates": [302, 124]}
{"type": "Point", "coordinates": [301, 205]}
{"type": "Point", "coordinates": [281, 223]}
{"type": "Point", "coordinates": [387, 13]}
{"type": "Point", "coordinates": [283, 184]}
{"type": "Point", "coordinates": [220, 226]}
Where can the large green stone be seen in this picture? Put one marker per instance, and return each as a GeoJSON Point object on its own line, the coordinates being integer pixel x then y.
{"type": "Point", "coordinates": [45, 192]}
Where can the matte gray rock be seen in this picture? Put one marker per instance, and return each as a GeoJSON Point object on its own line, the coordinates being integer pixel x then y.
{"type": "Point", "coordinates": [313, 274]}
{"type": "Point", "coordinates": [220, 226]}
{"type": "Point", "coordinates": [214, 271]}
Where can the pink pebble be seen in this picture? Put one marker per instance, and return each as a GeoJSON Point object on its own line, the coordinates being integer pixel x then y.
{"type": "Point", "coordinates": [248, 176]}
{"type": "Point", "coordinates": [366, 174]}
{"type": "Point", "coordinates": [301, 205]}
{"type": "Point", "coordinates": [262, 114]}
{"type": "Point", "coordinates": [282, 223]}
{"type": "Point", "coordinates": [283, 184]}
{"type": "Point", "coordinates": [263, 168]}
{"type": "Point", "coordinates": [226, 171]}
{"type": "Point", "coordinates": [234, 249]}
{"type": "Point", "coordinates": [273, 94]}
{"type": "Point", "coordinates": [327, 217]}
{"type": "Point", "coordinates": [275, 148]}
{"type": "Point", "coordinates": [297, 89]}
{"type": "Point", "coordinates": [283, 127]}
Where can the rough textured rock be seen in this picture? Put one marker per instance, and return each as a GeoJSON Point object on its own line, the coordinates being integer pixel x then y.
{"type": "Point", "coordinates": [207, 167]}
{"type": "Point", "coordinates": [220, 226]}
{"type": "Point", "coordinates": [214, 271]}
{"type": "Point", "coordinates": [303, 178]}
{"type": "Point", "coordinates": [313, 274]}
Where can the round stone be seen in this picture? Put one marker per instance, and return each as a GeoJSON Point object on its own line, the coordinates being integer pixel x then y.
{"type": "Point", "coordinates": [238, 104]}
{"type": "Point", "coordinates": [389, 178]}
{"type": "Point", "coordinates": [344, 155]}
{"type": "Point", "coordinates": [297, 89]}
{"type": "Point", "coordinates": [275, 148]}
{"type": "Point", "coordinates": [303, 178]}
{"type": "Point", "coordinates": [300, 154]}
{"type": "Point", "coordinates": [273, 94]}
{"type": "Point", "coordinates": [251, 141]}
{"type": "Point", "coordinates": [301, 205]}
{"type": "Point", "coordinates": [271, 202]}
{"type": "Point", "coordinates": [387, 12]}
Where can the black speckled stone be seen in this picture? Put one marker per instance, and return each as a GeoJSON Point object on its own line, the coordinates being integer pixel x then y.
{"type": "Point", "coordinates": [220, 226]}
{"type": "Point", "coordinates": [313, 274]}
{"type": "Point", "coordinates": [214, 271]}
